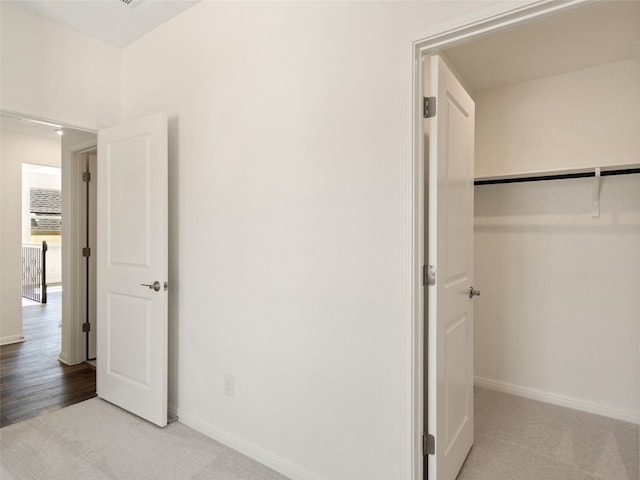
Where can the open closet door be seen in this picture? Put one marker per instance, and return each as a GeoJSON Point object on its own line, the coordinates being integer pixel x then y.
{"type": "Point", "coordinates": [450, 251]}
{"type": "Point", "coordinates": [132, 267]}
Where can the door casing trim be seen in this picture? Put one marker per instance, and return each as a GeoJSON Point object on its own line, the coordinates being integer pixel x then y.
{"type": "Point", "coordinates": [431, 41]}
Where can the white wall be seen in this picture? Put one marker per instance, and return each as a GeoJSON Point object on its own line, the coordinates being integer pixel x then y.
{"type": "Point", "coordinates": [586, 118]}
{"type": "Point", "coordinates": [51, 71]}
{"type": "Point", "coordinates": [54, 252]}
{"type": "Point", "coordinates": [16, 148]}
{"type": "Point", "coordinates": [559, 313]}
{"type": "Point", "coordinates": [287, 153]}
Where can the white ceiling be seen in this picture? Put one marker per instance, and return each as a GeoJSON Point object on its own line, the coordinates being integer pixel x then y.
{"type": "Point", "coordinates": [581, 38]}
{"type": "Point", "coordinates": [112, 21]}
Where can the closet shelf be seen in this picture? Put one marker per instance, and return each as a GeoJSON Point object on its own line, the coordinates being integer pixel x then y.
{"type": "Point", "coordinates": [559, 174]}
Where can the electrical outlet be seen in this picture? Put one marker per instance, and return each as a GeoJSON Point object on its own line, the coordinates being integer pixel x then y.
{"type": "Point", "coordinates": [228, 385]}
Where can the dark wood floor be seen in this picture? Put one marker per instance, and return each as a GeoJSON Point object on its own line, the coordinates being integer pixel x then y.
{"type": "Point", "coordinates": [32, 380]}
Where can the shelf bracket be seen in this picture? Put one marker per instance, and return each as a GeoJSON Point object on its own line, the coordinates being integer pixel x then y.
{"type": "Point", "coordinates": [595, 212]}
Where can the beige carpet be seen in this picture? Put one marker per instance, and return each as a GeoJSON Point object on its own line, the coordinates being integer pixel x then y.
{"type": "Point", "coordinates": [94, 440]}
{"type": "Point", "coordinates": [520, 439]}
{"type": "Point", "coordinates": [516, 439]}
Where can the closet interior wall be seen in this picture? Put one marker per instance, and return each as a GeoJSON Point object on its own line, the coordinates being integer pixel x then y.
{"type": "Point", "coordinates": [559, 315]}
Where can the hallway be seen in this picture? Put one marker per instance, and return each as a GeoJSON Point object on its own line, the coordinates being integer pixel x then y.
{"type": "Point", "coordinates": [32, 380]}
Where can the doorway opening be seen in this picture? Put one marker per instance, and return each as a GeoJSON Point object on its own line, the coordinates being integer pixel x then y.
{"type": "Point", "coordinates": [41, 255]}
{"type": "Point", "coordinates": [507, 364]}
{"type": "Point", "coordinates": [38, 374]}
{"type": "Point", "coordinates": [134, 224]}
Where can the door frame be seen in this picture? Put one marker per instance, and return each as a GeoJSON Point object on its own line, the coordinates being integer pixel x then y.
{"type": "Point", "coordinates": [431, 41]}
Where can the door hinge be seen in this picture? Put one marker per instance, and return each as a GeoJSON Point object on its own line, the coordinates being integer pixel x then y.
{"type": "Point", "coordinates": [428, 444]}
{"type": "Point", "coordinates": [428, 275]}
{"type": "Point", "coordinates": [86, 252]}
{"type": "Point", "coordinates": [86, 327]}
{"type": "Point", "coordinates": [86, 176]}
{"type": "Point", "coordinates": [429, 107]}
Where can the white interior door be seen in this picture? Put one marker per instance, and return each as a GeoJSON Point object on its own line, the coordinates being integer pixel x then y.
{"type": "Point", "coordinates": [450, 247]}
{"type": "Point", "coordinates": [132, 251]}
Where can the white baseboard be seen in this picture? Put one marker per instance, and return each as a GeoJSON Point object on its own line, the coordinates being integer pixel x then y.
{"type": "Point", "coordinates": [63, 358]}
{"type": "Point", "coordinates": [11, 339]}
{"type": "Point", "coordinates": [249, 449]}
{"type": "Point", "coordinates": [560, 400]}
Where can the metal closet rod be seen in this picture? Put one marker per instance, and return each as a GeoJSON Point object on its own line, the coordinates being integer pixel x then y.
{"type": "Point", "coordinates": [560, 176]}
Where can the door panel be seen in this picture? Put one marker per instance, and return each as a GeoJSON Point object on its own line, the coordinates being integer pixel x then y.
{"type": "Point", "coordinates": [450, 250]}
{"type": "Point", "coordinates": [128, 215]}
{"type": "Point", "coordinates": [132, 251]}
{"type": "Point", "coordinates": [129, 331]}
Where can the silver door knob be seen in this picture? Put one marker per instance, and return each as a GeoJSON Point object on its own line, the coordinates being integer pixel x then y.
{"type": "Point", "coordinates": [473, 292]}
{"type": "Point", "coordinates": [153, 286]}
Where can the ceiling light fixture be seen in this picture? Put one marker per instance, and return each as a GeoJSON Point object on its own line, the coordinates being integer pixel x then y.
{"type": "Point", "coordinates": [60, 132]}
